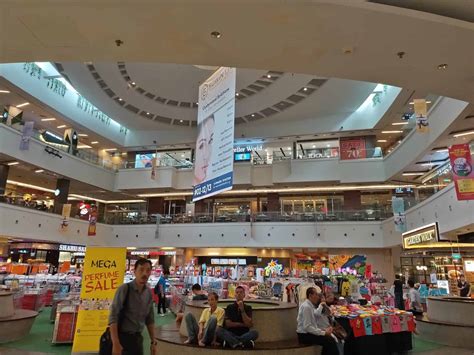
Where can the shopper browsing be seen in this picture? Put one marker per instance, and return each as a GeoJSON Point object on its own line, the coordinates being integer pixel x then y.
{"type": "Point", "coordinates": [311, 326]}
{"type": "Point", "coordinates": [131, 311]}
{"type": "Point", "coordinates": [204, 332]}
{"type": "Point", "coordinates": [238, 321]}
{"type": "Point", "coordinates": [415, 299]}
{"type": "Point", "coordinates": [464, 287]}
{"type": "Point", "coordinates": [197, 293]}
{"type": "Point", "coordinates": [160, 292]}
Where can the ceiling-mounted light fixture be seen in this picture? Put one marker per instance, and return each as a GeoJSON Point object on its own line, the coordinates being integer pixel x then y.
{"type": "Point", "coordinates": [23, 104]}
{"type": "Point", "coordinates": [4, 92]}
{"type": "Point", "coordinates": [442, 66]}
{"type": "Point", "coordinates": [48, 119]}
{"type": "Point", "coordinates": [390, 132]}
{"type": "Point", "coordinates": [461, 134]}
{"type": "Point", "coordinates": [13, 163]}
{"type": "Point", "coordinates": [39, 171]}
{"type": "Point", "coordinates": [399, 123]}
{"type": "Point", "coordinates": [269, 76]}
{"type": "Point", "coordinates": [414, 173]}
{"type": "Point", "coordinates": [216, 34]}
{"type": "Point", "coordinates": [62, 126]}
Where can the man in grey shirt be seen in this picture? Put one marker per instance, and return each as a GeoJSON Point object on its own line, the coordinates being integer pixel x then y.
{"type": "Point", "coordinates": [131, 311]}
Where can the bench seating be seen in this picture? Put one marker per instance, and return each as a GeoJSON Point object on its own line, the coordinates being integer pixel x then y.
{"type": "Point", "coordinates": [170, 341]}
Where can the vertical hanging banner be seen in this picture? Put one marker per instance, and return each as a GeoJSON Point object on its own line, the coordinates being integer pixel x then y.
{"type": "Point", "coordinates": [26, 134]}
{"type": "Point", "coordinates": [91, 231]}
{"type": "Point", "coordinates": [153, 168]}
{"type": "Point", "coordinates": [213, 165]}
{"type": "Point", "coordinates": [399, 218]}
{"type": "Point", "coordinates": [461, 166]}
{"type": "Point", "coordinates": [66, 213]}
{"type": "Point", "coordinates": [104, 271]}
{"type": "Point", "coordinates": [421, 113]}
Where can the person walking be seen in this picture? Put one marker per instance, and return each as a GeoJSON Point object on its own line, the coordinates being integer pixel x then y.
{"type": "Point", "coordinates": [131, 311]}
{"type": "Point", "coordinates": [310, 326]}
{"type": "Point", "coordinates": [204, 332]}
{"type": "Point", "coordinates": [236, 332]}
{"type": "Point", "coordinates": [398, 293]}
{"type": "Point", "coordinates": [160, 292]}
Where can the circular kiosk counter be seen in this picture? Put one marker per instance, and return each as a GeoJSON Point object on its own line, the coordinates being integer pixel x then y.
{"type": "Point", "coordinates": [14, 323]}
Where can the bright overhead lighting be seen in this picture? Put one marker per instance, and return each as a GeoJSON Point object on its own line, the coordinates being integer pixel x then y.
{"type": "Point", "coordinates": [4, 92]}
{"type": "Point", "coordinates": [269, 76]}
{"type": "Point", "coordinates": [83, 135]}
{"type": "Point", "coordinates": [180, 121]}
{"type": "Point", "coordinates": [39, 188]}
{"type": "Point", "coordinates": [62, 126]}
{"type": "Point", "coordinates": [328, 145]}
{"type": "Point", "coordinates": [23, 104]}
{"type": "Point", "coordinates": [444, 150]}
{"type": "Point", "coordinates": [110, 150]}
{"type": "Point", "coordinates": [468, 133]}
{"type": "Point", "coordinates": [413, 174]}
{"type": "Point", "coordinates": [305, 89]}
{"type": "Point", "coordinates": [314, 146]}
{"type": "Point", "coordinates": [39, 171]}
{"type": "Point", "coordinates": [390, 132]}
{"type": "Point", "coordinates": [381, 141]}
{"type": "Point", "coordinates": [131, 248]}
{"type": "Point", "coordinates": [399, 123]}
{"type": "Point", "coordinates": [236, 94]}
{"type": "Point", "coordinates": [133, 83]}
{"type": "Point", "coordinates": [13, 163]}
{"type": "Point", "coordinates": [429, 164]}
{"type": "Point", "coordinates": [412, 103]}
{"type": "Point", "coordinates": [289, 148]}
{"type": "Point", "coordinates": [48, 119]}
{"type": "Point", "coordinates": [94, 142]}
{"type": "Point", "coordinates": [120, 99]}
{"type": "Point", "coordinates": [84, 146]}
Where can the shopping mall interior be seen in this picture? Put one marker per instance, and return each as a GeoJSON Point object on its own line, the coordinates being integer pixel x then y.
{"type": "Point", "coordinates": [265, 144]}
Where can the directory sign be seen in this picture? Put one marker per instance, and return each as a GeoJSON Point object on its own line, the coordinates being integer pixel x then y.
{"type": "Point", "coordinates": [213, 165]}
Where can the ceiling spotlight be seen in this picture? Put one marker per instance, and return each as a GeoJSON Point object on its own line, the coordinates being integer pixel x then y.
{"type": "Point", "coordinates": [442, 66]}
{"type": "Point", "coordinates": [83, 135]}
{"type": "Point", "coordinates": [23, 104]}
{"type": "Point", "coordinates": [120, 99]}
{"type": "Point", "coordinates": [399, 123]}
{"type": "Point", "coordinates": [197, 103]}
{"type": "Point", "coordinates": [305, 89]}
{"type": "Point", "coordinates": [62, 126]}
{"type": "Point", "coordinates": [148, 113]}
{"type": "Point", "coordinates": [269, 76]}
{"type": "Point", "coordinates": [236, 94]}
{"type": "Point", "coordinates": [314, 145]}
{"type": "Point", "coordinates": [133, 83]}
{"type": "Point", "coordinates": [253, 115]}
{"type": "Point", "coordinates": [94, 142]}
{"type": "Point", "coordinates": [180, 121]}
{"type": "Point", "coordinates": [381, 141]}
{"type": "Point", "coordinates": [4, 92]}
{"type": "Point", "coordinates": [13, 163]}
{"type": "Point", "coordinates": [216, 34]}
{"type": "Point", "coordinates": [390, 132]}
{"type": "Point", "coordinates": [48, 119]}
{"type": "Point", "coordinates": [39, 171]}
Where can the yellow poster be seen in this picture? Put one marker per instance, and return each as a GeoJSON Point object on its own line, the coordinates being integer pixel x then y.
{"type": "Point", "coordinates": [421, 113]}
{"type": "Point", "coordinates": [104, 271]}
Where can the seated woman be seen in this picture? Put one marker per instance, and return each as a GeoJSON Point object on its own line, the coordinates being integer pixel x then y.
{"type": "Point", "coordinates": [204, 332]}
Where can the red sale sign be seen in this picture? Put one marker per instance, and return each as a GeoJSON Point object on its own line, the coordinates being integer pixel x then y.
{"type": "Point", "coordinates": [463, 175]}
{"type": "Point", "coordinates": [353, 149]}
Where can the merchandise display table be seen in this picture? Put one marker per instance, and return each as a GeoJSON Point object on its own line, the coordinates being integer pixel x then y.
{"type": "Point", "coordinates": [375, 330]}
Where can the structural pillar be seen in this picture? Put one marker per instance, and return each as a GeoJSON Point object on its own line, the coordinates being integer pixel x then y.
{"type": "Point", "coordinates": [4, 169]}
{"type": "Point", "coordinates": [62, 186]}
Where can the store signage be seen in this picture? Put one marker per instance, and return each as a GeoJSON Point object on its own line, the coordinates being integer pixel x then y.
{"type": "Point", "coordinates": [421, 237]}
{"type": "Point", "coordinates": [456, 256]}
{"type": "Point", "coordinates": [248, 148]}
{"type": "Point", "coordinates": [463, 174]}
{"type": "Point", "coordinates": [353, 148]}
{"type": "Point", "coordinates": [72, 248]}
{"type": "Point", "coordinates": [152, 253]}
{"type": "Point", "coordinates": [214, 163]}
{"type": "Point", "coordinates": [139, 252]}
{"type": "Point", "coordinates": [104, 272]}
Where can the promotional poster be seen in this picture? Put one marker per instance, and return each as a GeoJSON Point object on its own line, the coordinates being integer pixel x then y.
{"type": "Point", "coordinates": [461, 166]}
{"type": "Point", "coordinates": [353, 149]}
{"type": "Point", "coordinates": [104, 271]}
{"type": "Point", "coordinates": [26, 134]}
{"type": "Point", "coordinates": [421, 113]}
{"type": "Point", "coordinates": [399, 217]}
{"type": "Point", "coordinates": [213, 165]}
{"type": "Point", "coordinates": [92, 230]}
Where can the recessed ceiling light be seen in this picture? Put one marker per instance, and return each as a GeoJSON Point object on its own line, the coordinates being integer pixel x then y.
{"type": "Point", "coordinates": [305, 89]}
{"type": "Point", "coordinates": [314, 145]}
{"type": "Point", "coordinates": [289, 148]}
{"type": "Point", "coordinates": [83, 146]}
{"type": "Point", "coordinates": [180, 121]}
{"type": "Point", "coordinates": [23, 104]}
{"type": "Point", "coordinates": [236, 94]}
{"type": "Point", "coordinates": [382, 141]}
{"type": "Point", "coordinates": [13, 163]}
{"type": "Point", "coordinates": [110, 150]}
{"type": "Point", "coordinates": [197, 103]}
{"type": "Point", "coordinates": [94, 142]}
{"type": "Point", "coordinates": [133, 83]}
{"type": "Point", "coordinates": [253, 115]}
{"type": "Point", "coordinates": [4, 92]}
{"type": "Point", "coordinates": [389, 132]}
{"type": "Point", "coordinates": [442, 66]}
{"type": "Point", "coordinates": [48, 119]}
{"type": "Point", "coordinates": [148, 113]}
{"type": "Point", "coordinates": [83, 135]}
{"type": "Point", "coordinates": [39, 171]}
{"type": "Point", "coordinates": [216, 34]}
{"type": "Point", "coordinates": [120, 99]}
{"type": "Point", "coordinates": [413, 174]}
{"type": "Point", "coordinates": [269, 76]}
{"type": "Point", "coordinates": [62, 126]}
{"type": "Point", "coordinates": [328, 145]}
{"type": "Point", "coordinates": [468, 133]}
{"type": "Point", "coordinates": [399, 123]}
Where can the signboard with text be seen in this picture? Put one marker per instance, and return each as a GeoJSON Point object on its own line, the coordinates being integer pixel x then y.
{"type": "Point", "coordinates": [353, 148]}
{"type": "Point", "coordinates": [213, 165]}
{"type": "Point", "coordinates": [104, 271]}
{"type": "Point", "coordinates": [423, 237]}
{"type": "Point", "coordinates": [463, 174]}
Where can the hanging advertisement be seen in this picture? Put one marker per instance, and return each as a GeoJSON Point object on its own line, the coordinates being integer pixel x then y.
{"type": "Point", "coordinates": [421, 115]}
{"type": "Point", "coordinates": [461, 166]}
{"type": "Point", "coordinates": [213, 166]}
{"type": "Point", "coordinates": [353, 148]}
{"type": "Point", "coordinates": [91, 231]}
{"type": "Point", "coordinates": [144, 160]}
{"type": "Point", "coordinates": [66, 213]}
{"type": "Point", "coordinates": [26, 134]}
{"type": "Point", "coordinates": [399, 217]}
{"type": "Point", "coordinates": [104, 271]}
{"type": "Point", "coordinates": [153, 168]}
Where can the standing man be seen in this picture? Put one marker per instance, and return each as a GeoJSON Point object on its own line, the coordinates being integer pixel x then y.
{"type": "Point", "coordinates": [464, 287]}
{"type": "Point", "coordinates": [398, 292]}
{"type": "Point", "coordinates": [415, 299]}
{"type": "Point", "coordinates": [131, 311]}
{"type": "Point", "coordinates": [237, 323]}
{"type": "Point", "coordinates": [310, 326]}
{"type": "Point", "coordinates": [160, 291]}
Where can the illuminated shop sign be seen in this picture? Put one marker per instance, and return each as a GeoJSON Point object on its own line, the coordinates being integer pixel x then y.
{"type": "Point", "coordinates": [72, 248]}
{"type": "Point", "coordinates": [247, 148]}
{"type": "Point", "coordinates": [152, 253]}
{"type": "Point", "coordinates": [422, 237]}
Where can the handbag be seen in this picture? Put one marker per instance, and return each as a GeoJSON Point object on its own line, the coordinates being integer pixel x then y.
{"type": "Point", "coordinates": [338, 330]}
{"type": "Point", "coordinates": [105, 342]}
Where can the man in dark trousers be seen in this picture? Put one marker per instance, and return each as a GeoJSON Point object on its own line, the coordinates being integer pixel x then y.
{"type": "Point", "coordinates": [131, 311]}
{"type": "Point", "coordinates": [160, 291]}
{"type": "Point", "coordinates": [464, 287]}
{"type": "Point", "coordinates": [236, 332]}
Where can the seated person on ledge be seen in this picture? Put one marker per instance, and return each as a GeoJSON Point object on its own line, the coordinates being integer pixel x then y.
{"type": "Point", "coordinates": [311, 329]}
{"type": "Point", "coordinates": [204, 333]}
{"type": "Point", "coordinates": [197, 293]}
{"type": "Point", "coordinates": [415, 300]}
{"type": "Point", "coordinates": [238, 320]}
